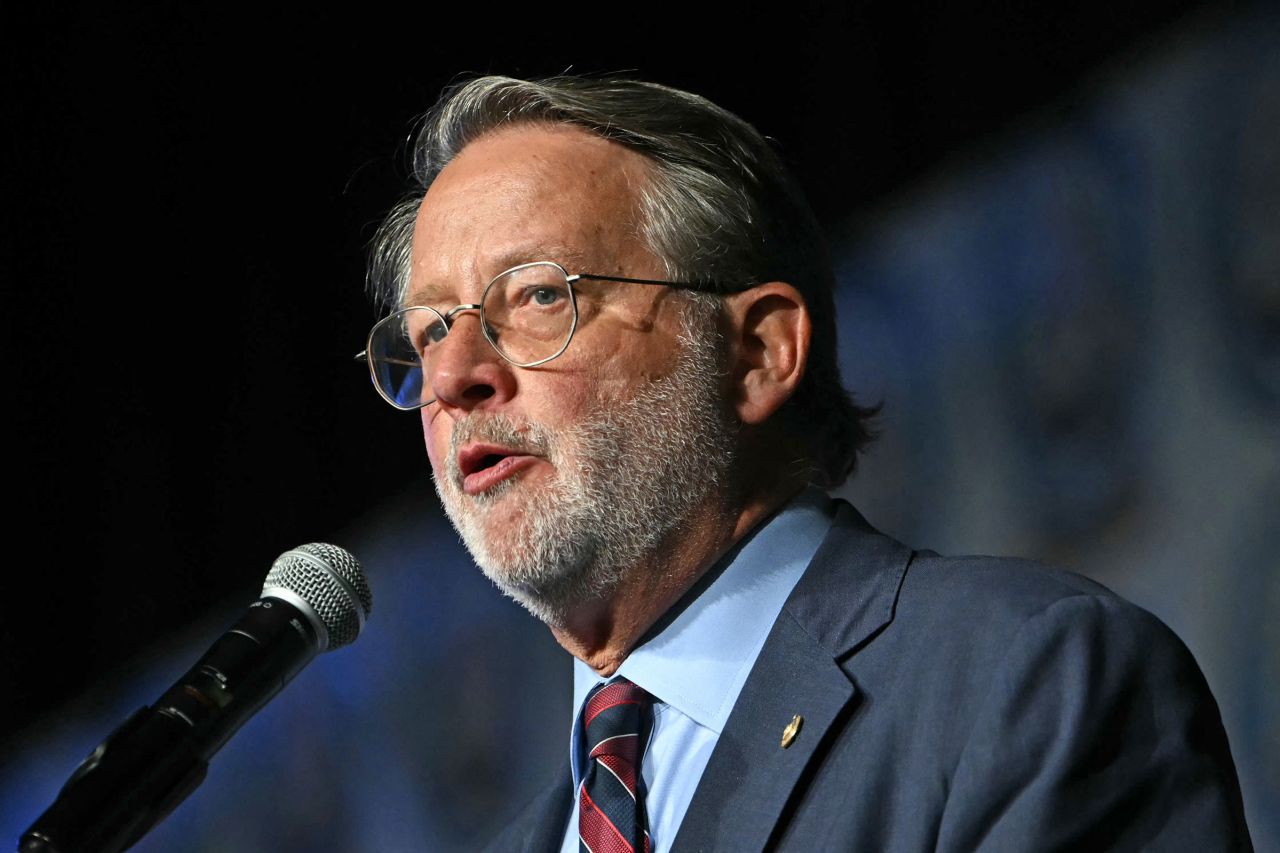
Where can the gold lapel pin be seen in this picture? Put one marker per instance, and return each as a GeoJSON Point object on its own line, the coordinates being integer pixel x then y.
{"type": "Point", "coordinates": [792, 729]}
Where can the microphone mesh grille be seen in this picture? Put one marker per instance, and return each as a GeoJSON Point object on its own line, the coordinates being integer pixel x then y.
{"type": "Point", "coordinates": [332, 582]}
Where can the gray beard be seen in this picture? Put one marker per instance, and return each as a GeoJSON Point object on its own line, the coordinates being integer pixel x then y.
{"type": "Point", "coordinates": [626, 481]}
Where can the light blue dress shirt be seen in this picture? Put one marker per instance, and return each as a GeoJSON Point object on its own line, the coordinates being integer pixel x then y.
{"type": "Point", "coordinates": [696, 666]}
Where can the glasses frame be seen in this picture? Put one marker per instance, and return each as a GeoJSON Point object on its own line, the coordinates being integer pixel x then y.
{"type": "Point", "coordinates": [447, 317]}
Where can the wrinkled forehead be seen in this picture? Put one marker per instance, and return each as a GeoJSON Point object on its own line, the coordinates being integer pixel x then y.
{"type": "Point", "coordinates": [528, 193]}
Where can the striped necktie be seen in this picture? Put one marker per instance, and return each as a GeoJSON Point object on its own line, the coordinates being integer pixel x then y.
{"type": "Point", "coordinates": [615, 724]}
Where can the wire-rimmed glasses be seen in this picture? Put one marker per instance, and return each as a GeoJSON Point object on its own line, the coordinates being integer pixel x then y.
{"type": "Point", "coordinates": [528, 314]}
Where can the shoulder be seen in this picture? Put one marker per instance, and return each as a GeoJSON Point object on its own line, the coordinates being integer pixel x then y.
{"type": "Point", "coordinates": [1067, 701]}
{"type": "Point", "coordinates": [1003, 593]}
{"type": "Point", "coordinates": [992, 610]}
{"type": "Point", "coordinates": [955, 615]}
{"type": "Point", "coordinates": [863, 584]}
{"type": "Point", "coordinates": [1025, 704]}
{"type": "Point", "coordinates": [976, 637]}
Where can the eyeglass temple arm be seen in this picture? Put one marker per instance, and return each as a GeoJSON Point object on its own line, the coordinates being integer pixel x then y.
{"type": "Point", "coordinates": [364, 356]}
{"type": "Point", "coordinates": [699, 286]}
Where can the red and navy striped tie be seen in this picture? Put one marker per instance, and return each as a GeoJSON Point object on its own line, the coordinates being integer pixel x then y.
{"type": "Point", "coordinates": [611, 817]}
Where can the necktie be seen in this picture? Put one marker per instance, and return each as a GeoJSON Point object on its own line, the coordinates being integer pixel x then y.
{"type": "Point", "coordinates": [611, 816]}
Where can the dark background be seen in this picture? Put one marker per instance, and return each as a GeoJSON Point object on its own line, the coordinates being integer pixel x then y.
{"type": "Point", "coordinates": [189, 192]}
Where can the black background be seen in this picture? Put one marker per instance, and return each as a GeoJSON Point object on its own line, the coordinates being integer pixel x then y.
{"type": "Point", "coordinates": [189, 193]}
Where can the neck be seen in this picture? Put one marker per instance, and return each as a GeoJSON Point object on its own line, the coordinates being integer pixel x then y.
{"type": "Point", "coordinates": [603, 633]}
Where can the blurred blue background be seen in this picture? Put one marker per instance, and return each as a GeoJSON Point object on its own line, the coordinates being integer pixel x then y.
{"type": "Point", "coordinates": [1075, 326]}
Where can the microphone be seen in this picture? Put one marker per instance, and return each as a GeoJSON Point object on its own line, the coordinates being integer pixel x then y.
{"type": "Point", "coordinates": [315, 599]}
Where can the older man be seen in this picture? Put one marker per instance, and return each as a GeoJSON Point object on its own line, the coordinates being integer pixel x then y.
{"type": "Point", "coordinates": [613, 309]}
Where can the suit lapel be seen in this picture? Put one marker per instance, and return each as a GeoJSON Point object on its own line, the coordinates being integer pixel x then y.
{"type": "Point", "coordinates": [846, 596]}
{"type": "Point", "coordinates": [750, 775]}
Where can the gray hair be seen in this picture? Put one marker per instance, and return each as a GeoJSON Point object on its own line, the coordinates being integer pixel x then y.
{"type": "Point", "coordinates": [720, 206]}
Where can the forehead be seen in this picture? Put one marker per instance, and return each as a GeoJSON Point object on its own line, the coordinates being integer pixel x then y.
{"type": "Point", "coordinates": [529, 193]}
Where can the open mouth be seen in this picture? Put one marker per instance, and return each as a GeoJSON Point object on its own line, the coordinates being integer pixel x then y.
{"type": "Point", "coordinates": [478, 457]}
{"type": "Point", "coordinates": [483, 466]}
{"type": "Point", "coordinates": [487, 461]}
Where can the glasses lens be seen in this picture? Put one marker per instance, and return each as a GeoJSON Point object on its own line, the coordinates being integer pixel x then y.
{"type": "Point", "coordinates": [529, 313]}
{"type": "Point", "coordinates": [397, 347]}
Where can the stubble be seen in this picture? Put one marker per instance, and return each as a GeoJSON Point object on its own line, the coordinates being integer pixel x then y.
{"type": "Point", "coordinates": [626, 478]}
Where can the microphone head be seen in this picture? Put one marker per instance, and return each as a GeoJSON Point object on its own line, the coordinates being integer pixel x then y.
{"type": "Point", "coordinates": [331, 586]}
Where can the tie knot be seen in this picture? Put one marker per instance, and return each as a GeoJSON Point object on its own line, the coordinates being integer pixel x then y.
{"type": "Point", "coordinates": [613, 718]}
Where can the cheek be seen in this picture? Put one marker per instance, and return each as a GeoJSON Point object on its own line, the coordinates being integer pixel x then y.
{"type": "Point", "coordinates": [435, 437]}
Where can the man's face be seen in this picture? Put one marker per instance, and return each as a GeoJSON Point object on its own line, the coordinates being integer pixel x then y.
{"type": "Point", "coordinates": [562, 477]}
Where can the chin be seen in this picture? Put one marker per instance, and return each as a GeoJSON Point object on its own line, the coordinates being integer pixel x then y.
{"type": "Point", "coordinates": [552, 597]}
{"type": "Point", "coordinates": [529, 552]}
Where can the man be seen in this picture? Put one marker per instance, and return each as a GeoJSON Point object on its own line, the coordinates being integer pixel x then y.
{"type": "Point", "coordinates": [612, 307]}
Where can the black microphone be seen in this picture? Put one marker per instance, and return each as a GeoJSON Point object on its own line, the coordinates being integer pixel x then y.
{"type": "Point", "coordinates": [315, 598]}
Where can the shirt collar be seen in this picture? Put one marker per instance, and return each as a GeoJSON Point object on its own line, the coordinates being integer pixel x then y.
{"type": "Point", "coordinates": [699, 662]}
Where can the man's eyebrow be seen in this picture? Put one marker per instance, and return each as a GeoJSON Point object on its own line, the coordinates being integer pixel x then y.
{"type": "Point", "coordinates": [436, 293]}
{"type": "Point", "coordinates": [429, 293]}
{"type": "Point", "coordinates": [569, 258]}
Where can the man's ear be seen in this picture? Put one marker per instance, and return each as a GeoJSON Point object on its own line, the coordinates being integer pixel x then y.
{"type": "Point", "coordinates": [769, 330]}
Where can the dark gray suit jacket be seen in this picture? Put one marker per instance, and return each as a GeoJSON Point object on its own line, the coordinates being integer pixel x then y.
{"type": "Point", "coordinates": [955, 704]}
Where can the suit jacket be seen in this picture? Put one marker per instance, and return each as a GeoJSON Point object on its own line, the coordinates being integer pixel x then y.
{"type": "Point", "coordinates": [955, 704]}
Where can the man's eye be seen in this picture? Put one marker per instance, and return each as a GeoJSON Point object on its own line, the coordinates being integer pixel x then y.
{"type": "Point", "coordinates": [545, 296]}
{"type": "Point", "coordinates": [434, 333]}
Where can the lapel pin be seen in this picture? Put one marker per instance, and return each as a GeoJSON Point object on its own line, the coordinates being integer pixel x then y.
{"type": "Point", "coordinates": [792, 729]}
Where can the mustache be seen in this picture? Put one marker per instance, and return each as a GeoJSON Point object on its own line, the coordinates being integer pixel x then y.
{"type": "Point", "coordinates": [520, 436]}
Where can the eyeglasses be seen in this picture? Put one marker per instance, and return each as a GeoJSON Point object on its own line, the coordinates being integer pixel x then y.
{"type": "Point", "coordinates": [528, 314]}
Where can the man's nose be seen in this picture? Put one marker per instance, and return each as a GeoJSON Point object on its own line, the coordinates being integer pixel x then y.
{"type": "Point", "coordinates": [466, 371]}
